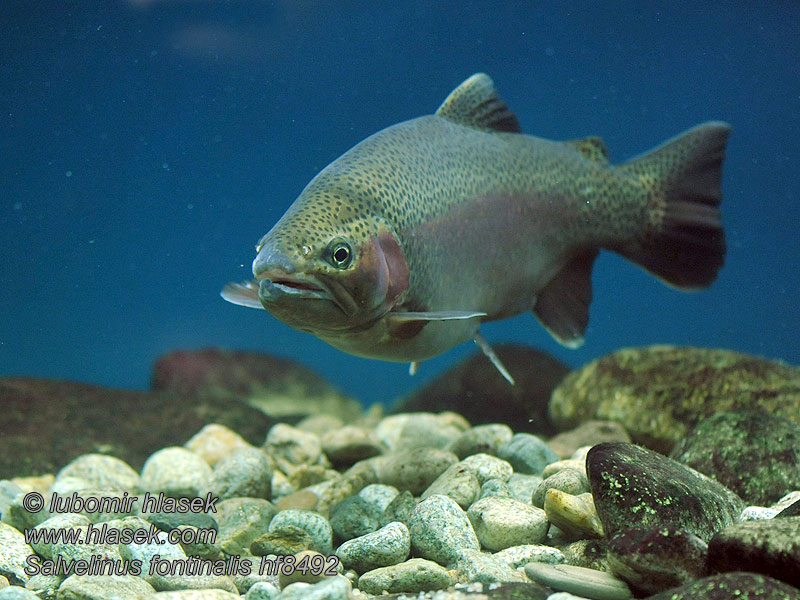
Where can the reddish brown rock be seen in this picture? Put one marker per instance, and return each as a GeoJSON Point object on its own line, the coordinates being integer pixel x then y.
{"type": "Point", "coordinates": [46, 423]}
{"type": "Point", "coordinates": [474, 389]}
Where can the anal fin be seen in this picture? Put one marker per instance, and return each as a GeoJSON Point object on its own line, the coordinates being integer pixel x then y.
{"type": "Point", "coordinates": [562, 307]}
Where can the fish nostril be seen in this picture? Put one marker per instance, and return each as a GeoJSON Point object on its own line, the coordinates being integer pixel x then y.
{"type": "Point", "coordinates": [268, 260]}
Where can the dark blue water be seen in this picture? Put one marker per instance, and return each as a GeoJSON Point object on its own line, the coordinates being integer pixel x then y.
{"type": "Point", "coordinates": [146, 146]}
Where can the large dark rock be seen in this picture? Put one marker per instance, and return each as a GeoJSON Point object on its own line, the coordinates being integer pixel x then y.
{"type": "Point", "coordinates": [755, 454]}
{"type": "Point", "coordinates": [730, 586]}
{"type": "Point", "coordinates": [280, 388]}
{"type": "Point", "coordinates": [46, 423]}
{"type": "Point", "coordinates": [659, 392]}
{"type": "Point", "coordinates": [654, 560]}
{"type": "Point", "coordinates": [636, 487]}
{"type": "Point", "coordinates": [476, 390]}
{"type": "Point", "coordinates": [770, 547]}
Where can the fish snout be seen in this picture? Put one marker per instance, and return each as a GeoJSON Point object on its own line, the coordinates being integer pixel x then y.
{"type": "Point", "coordinates": [269, 261]}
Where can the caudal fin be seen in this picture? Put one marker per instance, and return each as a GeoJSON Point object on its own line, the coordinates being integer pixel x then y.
{"type": "Point", "coordinates": [683, 243]}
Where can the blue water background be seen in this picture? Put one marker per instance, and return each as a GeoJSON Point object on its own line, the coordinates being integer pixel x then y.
{"type": "Point", "coordinates": [147, 145]}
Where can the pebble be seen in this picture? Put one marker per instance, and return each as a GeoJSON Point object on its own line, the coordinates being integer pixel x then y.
{"type": "Point", "coordinates": [578, 464]}
{"type": "Point", "coordinates": [262, 590]}
{"type": "Point", "coordinates": [414, 469]}
{"type": "Point", "coordinates": [501, 523]}
{"type": "Point", "coordinates": [147, 551]}
{"type": "Point", "coordinates": [475, 566]}
{"type": "Point", "coordinates": [288, 539]}
{"type": "Point", "coordinates": [458, 482]}
{"type": "Point", "coordinates": [169, 582]}
{"type": "Point", "coordinates": [589, 433]}
{"type": "Point", "coordinates": [654, 560]}
{"type": "Point", "coordinates": [481, 439]}
{"type": "Point", "coordinates": [636, 487]}
{"type": "Point", "coordinates": [527, 453]}
{"type": "Point", "coordinates": [214, 442]}
{"type": "Point", "coordinates": [17, 593]}
{"type": "Point", "coordinates": [332, 588]}
{"type": "Point", "coordinates": [202, 594]}
{"type": "Point", "coordinates": [84, 550]}
{"type": "Point", "coordinates": [290, 446]}
{"type": "Point", "coordinates": [488, 467]}
{"type": "Point", "coordinates": [412, 576]}
{"type": "Point", "coordinates": [757, 513]}
{"type": "Point", "coordinates": [44, 586]}
{"type": "Point", "coordinates": [567, 480]}
{"type": "Point", "coordinates": [59, 521]}
{"type": "Point", "coordinates": [768, 547]}
{"type": "Point", "coordinates": [242, 520]}
{"type": "Point", "coordinates": [378, 496]}
{"type": "Point", "coordinates": [387, 546]}
{"type": "Point", "coordinates": [13, 553]}
{"type": "Point", "coordinates": [495, 487]}
{"type": "Point", "coordinates": [177, 472]}
{"type": "Point", "coordinates": [412, 430]}
{"type": "Point", "coordinates": [310, 567]}
{"type": "Point", "coordinates": [103, 587]}
{"type": "Point", "coordinates": [589, 583]}
{"type": "Point", "coordinates": [102, 472]}
{"type": "Point", "coordinates": [352, 518]}
{"type": "Point", "coordinates": [586, 553]}
{"type": "Point", "coordinates": [349, 444]}
{"type": "Point", "coordinates": [315, 524]}
{"type": "Point", "coordinates": [399, 509]}
{"type": "Point", "coordinates": [576, 516]}
{"type": "Point", "coordinates": [320, 423]}
{"type": "Point", "coordinates": [244, 472]}
{"type": "Point", "coordinates": [519, 556]}
{"type": "Point", "coordinates": [303, 499]}
{"type": "Point", "coordinates": [440, 529]}
{"type": "Point", "coordinates": [741, 586]}
{"type": "Point", "coordinates": [522, 486]}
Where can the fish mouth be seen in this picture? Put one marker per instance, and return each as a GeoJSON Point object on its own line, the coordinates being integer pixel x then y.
{"type": "Point", "coordinates": [272, 288]}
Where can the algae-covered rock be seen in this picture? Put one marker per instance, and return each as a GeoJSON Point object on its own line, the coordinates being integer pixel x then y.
{"type": "Point", "coordinates": [755, 454]}
{"type": "Point", "coordinates": [659, 392]}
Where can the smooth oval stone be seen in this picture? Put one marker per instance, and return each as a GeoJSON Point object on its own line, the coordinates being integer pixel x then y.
{"type": "Point", "coordinates": [636, 487]}
{"type": "Point", "coordinates": [589, 583]}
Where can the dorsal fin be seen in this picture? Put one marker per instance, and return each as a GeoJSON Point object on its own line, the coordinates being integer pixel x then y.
{"type": "Point", "coordinates": [475, 103]}
{"type": "Point", "coordinates": [592, 148]}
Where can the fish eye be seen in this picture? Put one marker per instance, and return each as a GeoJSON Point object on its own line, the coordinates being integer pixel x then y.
{"type": "Point", "coordinates": [340, 254]}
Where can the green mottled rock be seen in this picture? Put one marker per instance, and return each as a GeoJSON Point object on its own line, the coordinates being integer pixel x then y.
{"type": "Point", "coordinates": [288, 539]}
{"type": "Point", "coordinates": [415, 575]}
{"type": "Point", "coordinates": [659, 392]}
{"type": "Point", "coordinates": [742, 586]}
{"type": "Point", "coordinates": [769, 547]}
{"type": "Point", "coordinates": [755, 454]}
{"type": "Point", "coordinates": [636, 487]}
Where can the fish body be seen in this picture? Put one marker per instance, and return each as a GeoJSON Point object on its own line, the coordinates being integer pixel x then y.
{"type": "Point", "coordinates": [401, 247]}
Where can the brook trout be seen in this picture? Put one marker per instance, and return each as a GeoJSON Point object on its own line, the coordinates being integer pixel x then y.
{"type": "Point", "coordinates": [400, 248]}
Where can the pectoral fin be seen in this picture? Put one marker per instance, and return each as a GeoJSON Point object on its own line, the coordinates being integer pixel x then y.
{"type": "Point", "coordinates": [490, 354]}
{"type": "Point", "coordinates": [243, 294]}
{"type": "Point", "coordinates": [442, 315]}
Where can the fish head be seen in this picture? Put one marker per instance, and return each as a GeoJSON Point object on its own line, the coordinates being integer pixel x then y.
{"type": "Point", "coordinates": [325, 275]}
